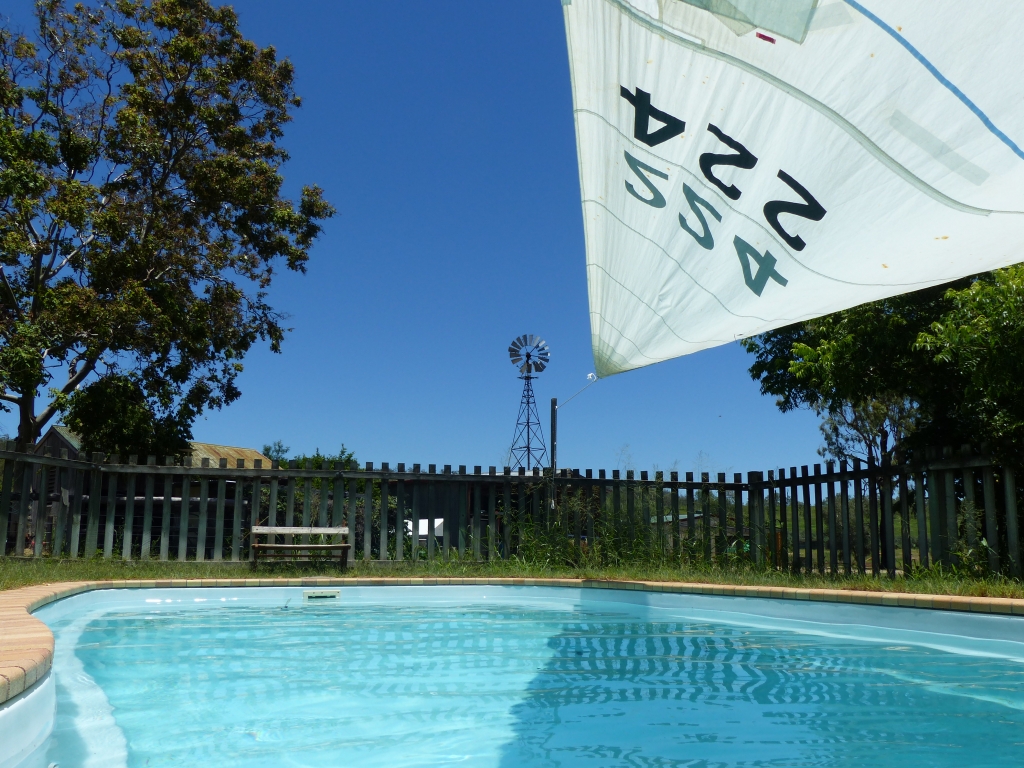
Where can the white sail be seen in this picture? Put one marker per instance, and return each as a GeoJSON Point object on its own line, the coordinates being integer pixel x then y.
{"type": "Point", "coordinates": [746, 164]}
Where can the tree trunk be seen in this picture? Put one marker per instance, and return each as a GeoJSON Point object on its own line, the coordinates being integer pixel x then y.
{"type": "Point", "coordinates": [27, 427]}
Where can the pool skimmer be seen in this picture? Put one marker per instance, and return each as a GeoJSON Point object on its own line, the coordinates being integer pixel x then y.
{"type": "Point", "coordinates": [321, 595]}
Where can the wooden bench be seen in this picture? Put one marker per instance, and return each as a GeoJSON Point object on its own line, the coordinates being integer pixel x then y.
{"type": "Point", "coordinates": [270, 549]}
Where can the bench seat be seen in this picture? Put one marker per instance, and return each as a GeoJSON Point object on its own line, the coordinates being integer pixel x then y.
{"type": "Point", "coordinates": [270, 549]}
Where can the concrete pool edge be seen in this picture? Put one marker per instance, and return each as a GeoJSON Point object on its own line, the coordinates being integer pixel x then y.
{"type": "Point", "coordinates": [26, 643]}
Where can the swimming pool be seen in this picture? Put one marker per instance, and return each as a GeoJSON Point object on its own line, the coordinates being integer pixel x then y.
{"type": "Point", "coordinates": [524, 676]}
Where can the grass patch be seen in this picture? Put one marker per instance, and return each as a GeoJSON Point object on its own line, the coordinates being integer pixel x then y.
{"type": "Point", "coordinates": [19, 573]}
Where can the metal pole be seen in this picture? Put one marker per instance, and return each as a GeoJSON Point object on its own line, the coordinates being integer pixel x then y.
{"type": "Point", "coordinates": [529, 451]}
{"type": "Point", "coordinates": [554, 434]}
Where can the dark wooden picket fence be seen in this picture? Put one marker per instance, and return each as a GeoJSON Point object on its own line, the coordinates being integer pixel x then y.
{"type": "Point", "coordinates": [958, 510]}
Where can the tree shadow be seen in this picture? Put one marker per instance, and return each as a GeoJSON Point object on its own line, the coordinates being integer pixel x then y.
{"type": "Point", "coordinates": [629, 691]}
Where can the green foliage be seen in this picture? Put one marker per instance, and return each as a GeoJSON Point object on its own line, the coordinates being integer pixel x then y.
{"type": "Point", "coordinates": [317, 460]}
{"type": "Point", "coordinates": [113, 415]}
{"type": "Point", "coordinates": [981, 337]}
{"type": "Point", "coordinates": [19, 573]}
{"type": "Point", "coordinates": [276, 451]}
{"type": "Point", "coordinates": [943, 366]}
{"type": "Point", "coordinates": [141, 210]}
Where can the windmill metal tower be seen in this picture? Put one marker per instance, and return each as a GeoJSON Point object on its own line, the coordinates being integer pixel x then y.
{"type": "Point", "coordinates": [530, 355]}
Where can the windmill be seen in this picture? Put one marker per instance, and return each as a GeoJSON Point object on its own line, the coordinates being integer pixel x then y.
{"type": "Point", "coordinates": [530, 355]}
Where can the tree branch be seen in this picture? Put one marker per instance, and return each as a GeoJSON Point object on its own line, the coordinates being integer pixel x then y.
{"type": "Point", "coordinates": [48, 412]}
{"type": "Point", "coordinates": [10, 290]}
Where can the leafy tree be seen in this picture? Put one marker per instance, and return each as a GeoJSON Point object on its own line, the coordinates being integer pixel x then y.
{"type": "Point", "coordinates": [870, 429]}
{"type": "Point", "coordinates": [938, 367]}
{"type": "Point", "coordinates": [141, 215]}
{"type": "Point", "coordinates": [113, 415]}
{"type": "Point", "coordinates": [981, 337]}
{"type": "Point", "coordinates": [862, 370]}
{"type": "Point", "coordinates": [276, 451]}
{"type": "Point", "coordinates": [318, 460]}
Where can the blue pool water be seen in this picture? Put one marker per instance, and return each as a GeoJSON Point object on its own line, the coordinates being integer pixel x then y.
{"type": "Point", "coordinates": [506, 677]}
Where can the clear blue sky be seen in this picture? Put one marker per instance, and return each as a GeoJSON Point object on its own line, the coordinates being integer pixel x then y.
{"type": "Point", "coordinates": [443, 134]}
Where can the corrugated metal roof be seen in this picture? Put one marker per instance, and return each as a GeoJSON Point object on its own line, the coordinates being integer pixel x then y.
{"type": "Point", "coordinates": [215, 453]}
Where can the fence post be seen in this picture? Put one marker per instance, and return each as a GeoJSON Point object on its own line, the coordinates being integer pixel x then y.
{"type": "Point", "coordinates": [783, 563]}
{"type": "Point", "coordinates": [905, 516]}
{"type": "Point", "coordinates": [204, 511]}
{"type": "Point", "coordinates": [691, 520]}
{"type": "Point", "coordinates": [936, 513]}
{"type": "Point", "coordinates": [62, 483]}
{"type": "Point", "coordinates": [257, 502]}
{"type": "Point", "coordinates": [723, 521]}
{"type": "Point", "coordinates": [819, 520]}
{"type": "Point", "coordinates": [417, 486]}
{"type": "Point", "coordinates": [307, 503]}
{"type": "Point", "coordinates": [147, 511]}
{"type": "Point", "coordinates": [462, 521]}
{"type": "Point", "coordinates": [754, 495]}
{"type": "Point", "coordinates": [76, 515]}
{"type": "Point", "coordinates": [833, 520]}
{"type": "Point", "coordinates": [1012, 530]}
{"type": "Point", "coordinates": [236, 514]}
{"type": "Point", "coordinates": [108, 534]}
{"type": "Point", "coordinates": [808, 526]}
{"type": "Point", "coordinates": [705, 524]}
{"type": "Point", "coordinates": [5, 498]}
{"type": "Point", "coordinates": [385, 511]}
{"type": "Point", "coordinates": [888, 522]}
{"type": "Point", "coordinates": [431, 506]}
{"type": "Point", "coordinates": [771, 526]}
{"type": "Point", "coordinates": [40, 506]}
{"type": "Point", "coordinates": [92, 523]}
{"type": "Point", "coordinates": [952, 530]}
{"type": "Point", "coordinates": [676, 525]}
{"type": "Point", "coordinates": [350, 504]}
{"type": "Point", "coordinates": [970, 511]}
{"type": "Point", "coordinates": [630, 507]}
{"type": "Point", "coordinates": [743, 542]}
{"type": "Point", "coordinates": [988, 482]}
{"type": "Point", "coordinates": [844, 512]}
{"type": "Point", "coordinates": [186, 508]}
{"type": "Point", "coordinates": [645, 507]}
{"type": "Point", "coordinates": [876, 548]}
{"type": "Point", "coordinates": [400, 515]}
{"type": "Point", "coordinates": [165, 516]}
{"type": "Point", "coordinates": [922, 518]}
{"type": "Point", "coordinates": [129, 511]}
{"type": "Point", "coordinates": [492, 511]}
{"type": "Point", "coordinates": [477, 530]}
{"type": "Point", "coordinates": [507, 519]}
{"type": "Point", "coordinates": [368, 515]}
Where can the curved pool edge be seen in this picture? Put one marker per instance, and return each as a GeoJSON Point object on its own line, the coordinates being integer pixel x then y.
{"type": "Point", "coordinates": [26, 643]}
{"type": "Point", "coordinates": [26, 722]}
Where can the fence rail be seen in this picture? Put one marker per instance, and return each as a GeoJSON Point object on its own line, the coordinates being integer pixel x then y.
{"type": "Point", "coordinates": [958, 510]}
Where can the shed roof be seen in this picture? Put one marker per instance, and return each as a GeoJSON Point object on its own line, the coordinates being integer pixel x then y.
{"type": "Point", "coordinates": [72, 438]}
{"type": "Point", "coordinates": [215, 453]}
{"type": "Point", "coordinates": [199, 451]}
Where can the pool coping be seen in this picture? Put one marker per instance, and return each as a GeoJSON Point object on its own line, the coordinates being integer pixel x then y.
{"type": "Point", "coordinates": [26, 643]}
